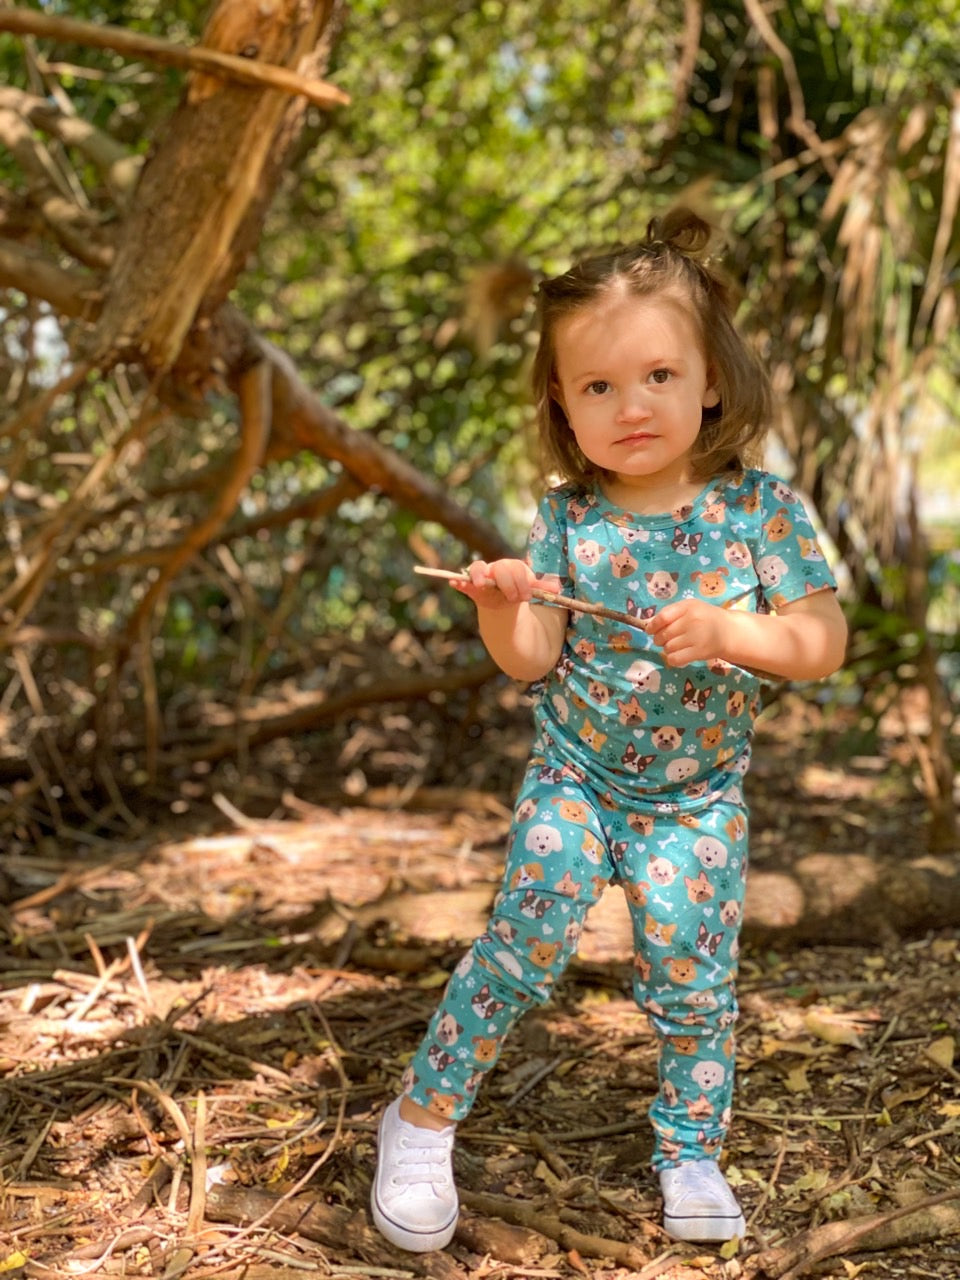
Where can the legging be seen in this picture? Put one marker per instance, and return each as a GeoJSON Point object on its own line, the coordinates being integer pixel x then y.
{"type": "Point", "coordinates": [683, 876]}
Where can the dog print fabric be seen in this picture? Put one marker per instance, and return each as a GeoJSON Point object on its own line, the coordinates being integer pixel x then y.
{"type": "Point", "coordinates": [635, 778]}
{"type": "Point", "coordinates": [611, 707]}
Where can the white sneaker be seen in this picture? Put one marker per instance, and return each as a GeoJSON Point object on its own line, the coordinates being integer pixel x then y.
{"type": "Point", "coordinates": [413, 1197]}
{"type": "Point", "coordinates": [698, 1203]}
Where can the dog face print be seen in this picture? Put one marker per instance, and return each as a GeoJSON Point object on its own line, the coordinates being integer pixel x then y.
{"type": "Point", "coordinates": [641, 823]}
{"type": "Point", "coordinates": [711, 735]}
{"type": "Point", "coordinates": [772, 570]}
{"type": "Point", "coordinates": [778, 526]}
{"type": "Point", "coordinates": [715, 512]}
{"type": "Point", "coordinates": [588, 552]}
{"type": "Point", "coordinates": [438, 1058]}
{"type": "Point", "coordinates": [737, 555]}
{"type": "Point", "coordinates": [699, 889]}
{"type": "Point", "coordinates": [525, 810]}
{"type": "Point", "coordinates": [810, 549]}
{"type": "Point", "coordinates": [533, 906]}
{"type": "Point", "coordinates": [700, 1108]}
{"type": "Point", "coordinates": [711, 852]}
{"type": "Point", "coordinates": [661, 870]}
{"type": "Point", "coordinates": [729, 911]}
{"type": "Point", "coordinates": [682, 969]}
{"type": "Point", "coordinates": [686, 543]}
{"type": "Point", "coordinates": [484, 1049]}
{"type": "Point", "coordinates": [634, 761]}
{"type": "Point", "coordinates": [644, 676]}
{"type": "Point", "coordinates": [622, 563]}
{"type": "Point", "coordinates": [592, 737]}
{"type": "Point", "coordinates": [711, 584]}
{"type": "Point", "coordinates": [484, 1005]}
{"type": "Point", "coordinates": [662, 585]}
{"type": "Point", "coordinates": [709, 1075]}
{"type": "Point", "coordinates": [686, 1046]}
{"type": "Point", "coordinates": [561, 708]}
{"type": "Point", "coordinates": [538, 530]}
{"type": "Point", "coordinates": [543, 954]}
{"type": "Point", "coordinates": [680, 770]}
{"type": "Point", "coordinates": [695, 699]}
{"type": "Point", "coordinates": [636, 892]}
{"type": "Point", "coordinates": [661, 935]}
{"type": "Point", "coordinates": [572, 810]}
{"type": "Point", "coordinates": [599, 692]}
{"type": "Point", "coordinates": [736, 702]}
{"type": "Point", "coordinates": [503, 930]}
{"type": "Point", "coordinates": [566, 885]}
{"type": "Point", "coordinates": [444, 1103]}
{"type": "Point", "coordinates": [631, 713]}
{"type": "Point", "coordinates": [542, 840]}
{"type": "Point", "coordinates": [448, 1030]}
{"type": "Point", "coordinates": [592, 848]}
{"type": "Point", "coordinates": [708, 943]}
{"type": "Point", "coordinates": [530, 873]}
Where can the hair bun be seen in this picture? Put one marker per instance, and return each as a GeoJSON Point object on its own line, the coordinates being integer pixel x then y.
{"type": "Point", "coordinates": [680, 229]}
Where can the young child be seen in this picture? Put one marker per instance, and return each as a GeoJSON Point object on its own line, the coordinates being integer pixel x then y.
{"type": "Point", "coordinates": [651, 407]}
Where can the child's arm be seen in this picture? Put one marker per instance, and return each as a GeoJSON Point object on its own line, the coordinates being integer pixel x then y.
{"type": "Point", "coordinates": [803, 640]}
{"type": "Point", "coordinates": [524, 639]}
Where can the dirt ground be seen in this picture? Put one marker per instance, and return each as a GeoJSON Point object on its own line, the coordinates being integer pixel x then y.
{"type": "Point", "coordinates": [200, 1024]}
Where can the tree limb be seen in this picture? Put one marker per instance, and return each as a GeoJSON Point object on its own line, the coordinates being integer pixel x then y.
{"type": "Point", "coordinates": [188, 58]}
{"type": "Point", "coordinates": [255, 428]}
{"type": "Point", "coordinates": [255, 726]}
{"type": "Point", "coordinates": [114, 162]}
{"type": "Point", "coordinates": [76, 228]}
{"type": "Point", "coordinates": [918, 1223]}
{"type": "Point", "coordinates": [70, 292]}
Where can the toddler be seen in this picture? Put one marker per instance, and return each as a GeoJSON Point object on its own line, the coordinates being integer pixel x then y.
{"type": "Point", "coordinates": [651, 407]}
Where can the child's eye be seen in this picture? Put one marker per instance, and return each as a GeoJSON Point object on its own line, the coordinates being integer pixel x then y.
{"type": "Point", "coordinates": [597, 387]}
{"type": "Point", "coordinates": [661, 375]}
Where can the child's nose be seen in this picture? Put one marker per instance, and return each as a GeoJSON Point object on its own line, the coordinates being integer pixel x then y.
{"type": "Point", "coordinates": [633, 405]}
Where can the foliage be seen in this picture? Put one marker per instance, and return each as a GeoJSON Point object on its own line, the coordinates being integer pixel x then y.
{"type": "Point", "coordinates": [480, 150]}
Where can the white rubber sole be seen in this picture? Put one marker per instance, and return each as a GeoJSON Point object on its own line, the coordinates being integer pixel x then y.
{"type": "Point", "coordinates": [712, 1229]}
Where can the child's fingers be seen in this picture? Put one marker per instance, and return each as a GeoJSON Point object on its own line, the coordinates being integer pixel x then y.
{"type": "Point", "coordinates": [479, 573]}
{"type": "Point", "coordinates": [511, 578]}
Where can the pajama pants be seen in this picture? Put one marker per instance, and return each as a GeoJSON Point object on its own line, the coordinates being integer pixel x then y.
{"type": "Point", "coordinates": [683, 876]}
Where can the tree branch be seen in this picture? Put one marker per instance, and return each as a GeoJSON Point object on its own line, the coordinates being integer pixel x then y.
{"type": "Point", "coordinates": [70, 293]}
{"type": "Point", "coordinates": [188, 58]}
{"type": "Point", "coordinates": [114, 162]}
{"type": "Point", "coordinates": [255, 427]}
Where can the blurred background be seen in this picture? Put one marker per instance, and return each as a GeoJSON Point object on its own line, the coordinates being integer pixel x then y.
{"type": "Point", "coordinates": [180, 620]}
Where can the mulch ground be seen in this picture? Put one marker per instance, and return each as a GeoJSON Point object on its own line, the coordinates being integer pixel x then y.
{"type": "Point", "coordinates": [200, 1026]}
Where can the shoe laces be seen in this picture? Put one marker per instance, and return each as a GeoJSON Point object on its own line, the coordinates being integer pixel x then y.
{"type": "Point", "coordinates": [423, 1160]}
{"type": "Point", "coordinates": [692, 1177]}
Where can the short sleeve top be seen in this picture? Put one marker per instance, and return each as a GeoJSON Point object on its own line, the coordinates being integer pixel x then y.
{"type": "Point", "coordinates": [611, 709]}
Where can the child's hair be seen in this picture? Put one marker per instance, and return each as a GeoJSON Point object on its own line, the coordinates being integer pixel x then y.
{"type": "Point", "coordinates": [670, 260]}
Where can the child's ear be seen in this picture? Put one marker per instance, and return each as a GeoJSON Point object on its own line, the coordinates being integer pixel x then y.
{"type": "Point", "coordinates": [711, 394]}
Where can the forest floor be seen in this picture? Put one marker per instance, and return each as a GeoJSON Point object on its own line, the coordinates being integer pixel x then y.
{"type": "Point", "coordinates": [200, 1024]}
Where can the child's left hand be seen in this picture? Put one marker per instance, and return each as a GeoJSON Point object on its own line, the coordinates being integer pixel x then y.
{"type": "Point", "coordinates": [689, 631]}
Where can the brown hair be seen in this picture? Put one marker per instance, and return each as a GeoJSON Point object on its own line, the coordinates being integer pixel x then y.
{"type": "Point", "coordinates": [671, 258]}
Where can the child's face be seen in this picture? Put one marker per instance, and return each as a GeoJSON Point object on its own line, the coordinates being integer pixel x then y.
{"type": "Point", "coordinates": [633, 381]}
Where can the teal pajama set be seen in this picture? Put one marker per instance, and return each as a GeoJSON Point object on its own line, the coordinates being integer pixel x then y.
{"type": "Point", "coordinates": [635, 778]}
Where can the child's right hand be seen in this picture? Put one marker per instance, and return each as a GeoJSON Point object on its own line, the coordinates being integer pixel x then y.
{"type": "Point", "coordinates": [499, 584]}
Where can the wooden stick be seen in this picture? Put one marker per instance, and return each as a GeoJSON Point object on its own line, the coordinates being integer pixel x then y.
{"type": "Point", "coordinates": [135, 44]}
{"type": "Point", "coordinates": [548, 597]}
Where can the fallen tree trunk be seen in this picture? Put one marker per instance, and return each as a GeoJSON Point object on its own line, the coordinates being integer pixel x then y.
{"type": "Point", "coordinates": [932, 1219]}
{"type": "Point", "coordinates": [851, 898]}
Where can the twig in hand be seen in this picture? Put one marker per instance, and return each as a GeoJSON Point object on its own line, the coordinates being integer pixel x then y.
{"type": "Point", "coordinates": [548, 597]}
